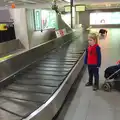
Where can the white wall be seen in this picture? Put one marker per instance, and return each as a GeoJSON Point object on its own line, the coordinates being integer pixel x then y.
{"type": "Point", "coordinates": [20, 23]}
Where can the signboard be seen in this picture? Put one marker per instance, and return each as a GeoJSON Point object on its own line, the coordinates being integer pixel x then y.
{"type": "Point", "coordinates": [60, 33]}
{"type": "Point", "coordinates": [65, 32]}
{"type": "Point", "coordinates": [101, 18]}
{"type": "Point", "coordinates": [67, 8]}
{"type": "Point", "coordinates": [79, 8]}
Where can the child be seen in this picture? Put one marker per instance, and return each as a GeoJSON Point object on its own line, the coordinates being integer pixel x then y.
{"type": "Point", "coordinates": [93, 60]}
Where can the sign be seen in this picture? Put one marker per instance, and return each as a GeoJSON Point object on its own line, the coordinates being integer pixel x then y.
{"type": "Point", "coordinates": [65, 32]}
{"type": "Point", "coordinates": [79, 8]}
{"type": "Point", "coordinates": [58, 34]}
{"type": "Point", "coordinates": [67, 8]}
{"type": "Point", "coordinates": [61, 33]}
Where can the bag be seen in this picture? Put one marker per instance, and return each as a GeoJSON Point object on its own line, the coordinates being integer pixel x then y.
{"type": "Point", "coordinates": [110, 70]}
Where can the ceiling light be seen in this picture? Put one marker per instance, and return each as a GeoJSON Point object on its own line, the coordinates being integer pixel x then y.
{"type": "Point", "coordinates": [10, 2]}
{"type": "Point", "coordinates": [67, 1]}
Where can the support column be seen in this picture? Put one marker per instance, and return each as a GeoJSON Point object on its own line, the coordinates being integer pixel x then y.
{"type": "Point", "coordinates": [71, 6]}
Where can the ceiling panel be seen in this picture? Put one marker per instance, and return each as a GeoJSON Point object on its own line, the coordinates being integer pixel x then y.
{"type": "Point", "coordinates": [48, 3]}
{"type": "Point", "coordinates": [95, 1]}
{"type": "Point", "coordinates": [37, 3]}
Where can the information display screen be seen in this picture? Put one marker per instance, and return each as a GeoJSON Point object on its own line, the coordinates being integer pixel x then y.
{"type": "Point", "coordinates": [99, 18]}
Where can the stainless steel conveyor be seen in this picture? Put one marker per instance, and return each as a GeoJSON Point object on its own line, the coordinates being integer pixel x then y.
{"type": "Point", "coordinates": [38, 91]}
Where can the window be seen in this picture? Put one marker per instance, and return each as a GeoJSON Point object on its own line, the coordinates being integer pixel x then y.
{"type": "Point", "coordinates": [37, 18]}
{"type": "Point", "coordinates": [45, 19]}
{"type": "Point", "coordinates": [106, 18]}
{"type": "Point", "coordinates": [49, 19]}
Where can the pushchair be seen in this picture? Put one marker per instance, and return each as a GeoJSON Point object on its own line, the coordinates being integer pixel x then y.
{"type": "Point", "coordinates": [112, 81]}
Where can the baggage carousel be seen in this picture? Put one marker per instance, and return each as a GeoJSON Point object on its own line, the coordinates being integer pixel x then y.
{"type": "Point", "coordinates": [38, 91]}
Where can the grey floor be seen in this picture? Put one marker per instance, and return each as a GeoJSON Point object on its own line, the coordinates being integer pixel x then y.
{"type": "Point", "coordinates": [84, 103]}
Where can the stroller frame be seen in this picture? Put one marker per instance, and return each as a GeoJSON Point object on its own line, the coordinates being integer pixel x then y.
{"type": "Point", "coordinates": [108, 84]}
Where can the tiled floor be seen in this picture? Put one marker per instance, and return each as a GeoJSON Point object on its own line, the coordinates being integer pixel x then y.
{"type": "Point", "coordinates": [85, 104]}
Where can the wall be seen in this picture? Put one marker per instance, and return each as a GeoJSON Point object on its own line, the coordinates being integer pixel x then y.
{"type": "Point", "coordinates": [20, 23]}
{"type": "Point", "coordinates": [62, 24]}
{"type": "Point", "coordinates": [5, 15]}
{"type": "Point", "coordinates": [84, 18]}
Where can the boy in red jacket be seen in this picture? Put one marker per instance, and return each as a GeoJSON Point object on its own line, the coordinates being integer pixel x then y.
{"type": "Point", "coordinates": [93, 60]}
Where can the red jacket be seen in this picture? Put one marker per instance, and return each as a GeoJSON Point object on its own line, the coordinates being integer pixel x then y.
{"type": "Point", "coordinates": [93, 55]}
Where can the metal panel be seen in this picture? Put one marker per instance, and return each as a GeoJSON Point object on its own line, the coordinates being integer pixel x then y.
{"type": "Point", "coordinates": [10, 46]}
{"type": "Point", "coordinates": [8, 116]}
{"type": "Point", "coordinates": [52, 106]}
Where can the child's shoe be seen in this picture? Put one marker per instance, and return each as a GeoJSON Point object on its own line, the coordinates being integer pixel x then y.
{"type": "Point", "coordinates": [88, 84]}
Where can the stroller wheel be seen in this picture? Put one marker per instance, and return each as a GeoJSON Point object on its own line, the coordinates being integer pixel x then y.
{"type": "Point", "coordinates": [107, 87]}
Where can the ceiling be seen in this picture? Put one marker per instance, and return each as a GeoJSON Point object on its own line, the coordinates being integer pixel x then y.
{"type": "Point", "coordinates": [48, 3]}
{"type": "Point", "coordinates": [40, 3]}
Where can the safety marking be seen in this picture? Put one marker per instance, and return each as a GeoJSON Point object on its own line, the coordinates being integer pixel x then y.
{"type": "Point", "coordinates": [6, 57]}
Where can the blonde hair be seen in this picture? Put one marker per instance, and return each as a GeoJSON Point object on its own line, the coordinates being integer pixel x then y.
{"type": "Point", "coordinates": [94, 36]}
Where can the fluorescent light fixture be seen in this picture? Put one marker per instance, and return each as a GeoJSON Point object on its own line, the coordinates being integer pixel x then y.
{"type": "Point", "coordinates": [10, 1]}
{"type": "Point", "coordinates": [67, 1]}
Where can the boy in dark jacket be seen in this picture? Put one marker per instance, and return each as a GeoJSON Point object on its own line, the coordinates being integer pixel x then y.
{"type": "Point", "coordinates": [93, 60]}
